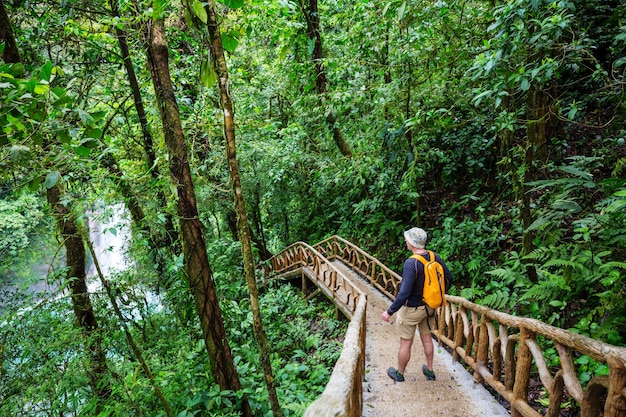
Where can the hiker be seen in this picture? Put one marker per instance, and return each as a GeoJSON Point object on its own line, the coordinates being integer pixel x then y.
{"type": "Point", "coordinates": [412, 312]}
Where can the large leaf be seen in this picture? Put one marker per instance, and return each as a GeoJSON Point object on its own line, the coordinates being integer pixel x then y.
{"type": "Point", "coordinates": [46, 71]}
{"type": "Point", "coordinates": [229, 40]}
{"type": "Point", "coordinates": [20, 154]}
{"type": "Point", "coordinates": [208, 77]}
{"type": "Point", "coordinates": [52, 179]}
{"type": "Point", "coordinates": [567, 205]}
{"type": "Point", "coordinates": [233, 4]}
{"type": "Point", "coordinates": [199, 11]}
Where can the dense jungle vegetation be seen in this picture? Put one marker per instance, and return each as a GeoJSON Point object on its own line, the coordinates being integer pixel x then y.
{"type": "Point", "coordinates": [226, 131]}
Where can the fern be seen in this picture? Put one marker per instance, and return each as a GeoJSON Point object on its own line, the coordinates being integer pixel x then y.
{"type": "Point", "coordinates": [499, 300]}
{"type": "Point", "coordinates": [550, 287]}
{"type": "Point", "coordinates": [540, 254]}
{"type": "Point", "coordinates": [564, 263]}
{"type": "Point", "coordinates": [506, 275]}
{"type": "Point", "coordinates": [620, 166]}
{"type": "Point", "coordinates": [613, 265]}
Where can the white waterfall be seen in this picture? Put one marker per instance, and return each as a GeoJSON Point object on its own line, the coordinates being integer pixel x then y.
{"type": "Point", "coordinates": [110, 237]}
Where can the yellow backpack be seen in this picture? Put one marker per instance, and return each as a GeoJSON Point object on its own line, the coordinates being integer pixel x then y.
{"type": "Point", "coordinates": [434, 295]}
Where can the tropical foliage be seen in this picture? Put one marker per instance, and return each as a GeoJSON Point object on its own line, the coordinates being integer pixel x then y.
{"type": "Point", "coordinates": [496, 126]}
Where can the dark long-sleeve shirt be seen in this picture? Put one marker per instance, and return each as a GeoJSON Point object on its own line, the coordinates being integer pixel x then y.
{"type": "Point", "coordinates": [412, 287]}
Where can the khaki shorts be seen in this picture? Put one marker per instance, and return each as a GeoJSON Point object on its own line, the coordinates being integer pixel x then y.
{"type": "Point", "coordinates": [410, 318]}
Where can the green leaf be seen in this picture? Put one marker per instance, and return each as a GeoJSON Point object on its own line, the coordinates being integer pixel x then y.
{"type": "Point", "coordinates": [89, 143]}
{"type": "Point", "coordinates": [46, 71]}
{"type": "Point", "coordinates": [208, 77]}
{"type": "Point", "coordinates": [158, 8]}
{"type": "Point", "coordinates": [401, 10]}
{"type": "Point", "coordinates": [233, 4]}
{"type": "Point", "coordinates": [85, 117]}
{"type": "Point", "coordinates": [541, 221]}
{"type": "Point", "coordinates": [310, 46]}
{"type": "Point", "coordinates": [229, 40]}
{"type": "Point", "coordinates": [199, 10]}
{"type": "Point", "coordinates": [52, 179]}
{"type": "Point", "coordinates": [33, 184]}
{"type": "Point", "coordinates": [65, 137]}
{"type": "Point", "coordinates": [525, 84]}
{"type": "Point", "coordinates": [19, 153]}
{"type": "Point", "coordinates": [568, 205]}
{"type": "Point", "coordinates": [82, 151]}
{"type": "Point", "coordinates": [94, 133]}
{"type": "Point", "coordinates": [576, 172]}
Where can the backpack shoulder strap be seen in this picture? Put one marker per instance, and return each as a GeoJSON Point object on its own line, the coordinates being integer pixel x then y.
{"type": "Point", "coordinates": [422, 259]}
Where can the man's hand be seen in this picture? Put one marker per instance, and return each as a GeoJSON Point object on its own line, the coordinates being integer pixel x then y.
{"type": "Point", "coordinates": [385, 316]}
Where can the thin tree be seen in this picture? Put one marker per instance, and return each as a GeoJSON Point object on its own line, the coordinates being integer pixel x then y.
{"type": "Point", "coordinates": [312, 16]}
{"type": "Point", "coordinates": [197, 267]}
{"type": "Point", "coordinates": [67, 223]}
{"type": "Point", "coordinates": [243, 228]}
{"type": "Point", "coordinates": [170, 235]}
{"type": "Point", "coordinates": [122, 321]}
{"type": "Point", "coordinates": [10, 54]}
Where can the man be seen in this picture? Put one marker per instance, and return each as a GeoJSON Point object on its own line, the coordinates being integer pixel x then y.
{"type": "Point", "coordinates": [412, 312]}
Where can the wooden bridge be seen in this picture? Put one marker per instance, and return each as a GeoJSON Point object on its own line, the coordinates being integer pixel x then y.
{"type": "Point", "coordinates": [503, 353]}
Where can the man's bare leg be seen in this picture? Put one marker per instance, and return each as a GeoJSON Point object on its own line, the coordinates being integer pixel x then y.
{"type": "Point", "coordinates": [429, 349]}
{"type": "Point", "coordinates": [404, 353]}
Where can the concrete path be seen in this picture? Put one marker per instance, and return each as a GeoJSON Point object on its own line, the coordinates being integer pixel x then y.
{"type": "Point", "coordinates": [453, 394]}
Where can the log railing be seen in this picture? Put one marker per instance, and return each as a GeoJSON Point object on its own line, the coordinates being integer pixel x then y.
{"type": "Point", "coordinates": [343, 395]}
{"type": "Point", "coordinates": [378, 275]}
{"type": "Point", "coordinates": [507, 352]}
{"type": "Point", "coordinates": [301, 258]}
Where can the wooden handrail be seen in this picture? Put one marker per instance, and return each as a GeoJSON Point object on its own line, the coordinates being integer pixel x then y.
{"type": "Point", "coordinates": [300, 257]}
{"type": "Point", "coordinates": [378, 275]}
{"type": "Point", "coordinates": [343, 395]}
{"type": "Point", "coordinates": [502, 349]}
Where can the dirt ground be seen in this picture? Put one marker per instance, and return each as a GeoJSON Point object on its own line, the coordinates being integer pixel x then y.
{"type": "Point", "coordinates": [453, 394]}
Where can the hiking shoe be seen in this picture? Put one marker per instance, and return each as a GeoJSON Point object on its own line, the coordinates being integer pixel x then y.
{"type": "Point", "coordinates": [395, 375]}
{"type": "Point", "coordinates": [430, 375]}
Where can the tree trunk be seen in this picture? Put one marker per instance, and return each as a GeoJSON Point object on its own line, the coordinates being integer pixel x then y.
{"type": "Point", "coordinates": [538, 123]}
{"type": "Point", "coordinates": [535, 139]}
{"type": "Point", "coordinates": [11, 54]}
{"type": "Point", "coordinates": [75, 261]}
{"type": "Point", "coordinates": [242, 218]}
{"type": "Point", "coordinates": [312, 17]}
{"type": "Point", "coordinates": [122, 320]}
{"type": "Point", "coordinates": [259, 240]}
{"type": "Point", "coordinates": [169, 238]}
{"type": "Point", "coordinates": [197, 265]}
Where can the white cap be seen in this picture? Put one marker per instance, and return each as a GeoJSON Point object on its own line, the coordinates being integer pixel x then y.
{"type": "Point", "coordinates": [416, 237]}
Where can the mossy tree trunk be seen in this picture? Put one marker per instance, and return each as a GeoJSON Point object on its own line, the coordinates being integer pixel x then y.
{"type": "Point", "coordinates": [243, 228]}
{"type": "Point", "coordinates": [312, 17]}
{"type": "Point", "coordinates": [196, 262]}
{"type": "Point", "coordinates": [66, 221]}
{"type": "Point", "coordinates": [11, 54]}
{"type": "Point", "coordinates": [169, 237]}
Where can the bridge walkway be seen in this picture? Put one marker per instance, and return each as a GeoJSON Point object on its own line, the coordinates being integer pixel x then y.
{"type": "Point", "coordinates": [454, 393]}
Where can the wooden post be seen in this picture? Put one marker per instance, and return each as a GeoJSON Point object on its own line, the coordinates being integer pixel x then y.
{"type": "Point", "coordinates": [556, 394]}
{"type": "Point", "coordinates": [590, 405]}
{"type": "Point", "coordinates": [458, 336]}
{"type": "Point", "coordinates": [522, 371]}
{"type": "Point", "coordinates": [616, 401]}
{"type": "Point", "coordinates": [482, 351]}
{"type": "Point", "coordinates": [509, 362]}
{"type": "Point", "coordinates": [496, 355]}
